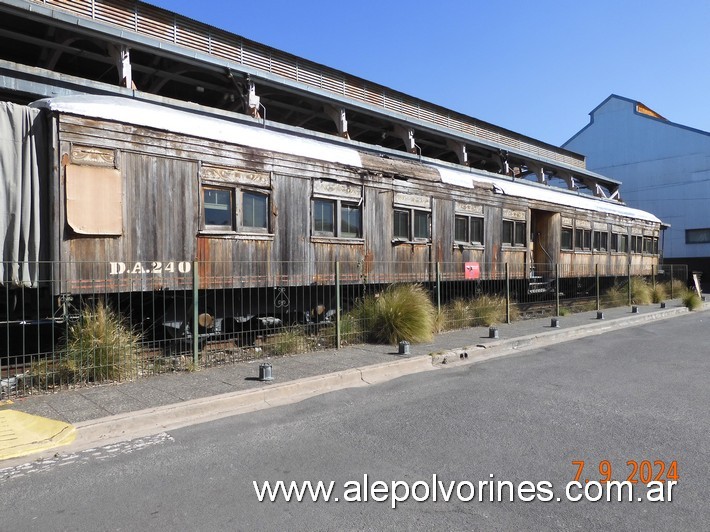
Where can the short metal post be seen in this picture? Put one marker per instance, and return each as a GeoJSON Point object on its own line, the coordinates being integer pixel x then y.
{"type": "Point", "coordinates": [507, 294]}
{"type": "Point", "coordinates": [555, 322]}
{"type": "Point", "coordinates": [557, 289]}
{"type": "Point", "coordinates": [195, 313]}
{"type": "Point", "coordinates": [493, 332]}
{"type": "Point", "coordinates": [337, 305]}
{"type": "Point", "coordinates": [438, 287]}
{"type": "Point", "coordinates": [596, 275]}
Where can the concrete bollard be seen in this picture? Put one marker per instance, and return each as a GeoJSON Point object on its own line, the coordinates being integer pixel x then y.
{"type": "Point", "coordinates": [265, 373]}
{"type": "Point", "coordinates": [493, 332]}
{"type": "Point", "coordinates": [555, 322]}
{"type": "Point", "coordinates": [403, 347]}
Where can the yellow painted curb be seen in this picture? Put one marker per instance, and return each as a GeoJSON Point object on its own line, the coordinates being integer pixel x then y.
{"type": "Point", "coordinates": [22, 434]}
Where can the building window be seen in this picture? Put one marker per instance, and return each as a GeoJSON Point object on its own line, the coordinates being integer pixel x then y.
{"type": "Point", "coordinates": [697, 236]}
{"type": "Point", "coordinates": [468, 229]}
{"type": "Point", "coordinates": [566, 239]}
{"type": "Point", "coordinates": [514, 233]}
{"type": "Point", "coordinates": [255, 211]}
{"type": "Point", "coordinates": [582, 239]}
{"type": "Point", "coordinates": [601, 240]}
{"type": "Point", "coordinates": [218, 208]}
{"type": "Point", "coordinates": [412, 224]}
{"type": "Point", "coordinates": [336, 218]}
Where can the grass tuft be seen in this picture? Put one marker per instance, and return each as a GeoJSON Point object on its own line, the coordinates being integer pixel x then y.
{"type": "Point", "coordinates": [692, 300]}
{"type": "Point", "coordinates": [402, 312]}
{"type": "Point", "coordinates": [100, 347]}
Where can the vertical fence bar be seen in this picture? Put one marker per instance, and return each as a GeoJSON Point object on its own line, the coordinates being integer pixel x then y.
{"type": "Point", "coordinates": [596, 277]}
{"type": "Point", "coordinates": [337, 305]}
{"type": "Point", "coordinates": [628, 278]}
{"type": "Point", "coordinates": [557, 289]}
{"type": "Point", "coordinates": [653, 276]}
{"type": "Point", "coordinates": [438, 287]}
{"type": "Point", "coordinates": [195, 314]}
{"type": "Point", "coordinates": [507, 294]}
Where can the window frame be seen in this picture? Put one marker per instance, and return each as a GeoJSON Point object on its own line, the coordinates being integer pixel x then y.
{"type": "Point", "coordinates": [223, 228]}
{"type": "Point", "coordinates": [571, 238]}
{"type": "Point", "coordinates": [600, 241]}
{"type": "Point", "coordinates": [240, 218]}
{"type": "Point", "coordinates": [586, 239]}
{"type": "Point", "coordinates": [517, 227]}
{"type": "Point", "coordinates": [412, 214]}
{"type": "Point", "coordinates": [470, 221]}
{"type": "Point", "coordinates": [338, 205]}
{"type": "Point", "coordinates": [699, 231]}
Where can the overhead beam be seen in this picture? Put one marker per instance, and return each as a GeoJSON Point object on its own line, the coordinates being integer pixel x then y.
{"type": "Point", "coordinates": [459, 148]}
{"type": "Point", "coordinates": [407, 136]}
{"type": "Point", "coordinates": [339, 117]}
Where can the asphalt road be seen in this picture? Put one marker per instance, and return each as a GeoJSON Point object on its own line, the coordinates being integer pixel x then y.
{"type": "Point", "coordinates": [638, 394]}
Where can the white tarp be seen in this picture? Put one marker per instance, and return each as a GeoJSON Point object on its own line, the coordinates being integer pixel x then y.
{"type": "Point", "coordinates": [543, 193]}
{"type": "Point", "coordinates": [155, 116]}
{"type": "Point", "coordinates": [23, 171]}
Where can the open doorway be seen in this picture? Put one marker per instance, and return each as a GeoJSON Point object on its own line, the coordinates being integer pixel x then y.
{"type": "Point", "coordinates": [544, 242]}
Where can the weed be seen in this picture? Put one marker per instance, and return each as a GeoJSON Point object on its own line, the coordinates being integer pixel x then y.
{"type": "Point", "coordinates": [691, 300]}
{"type": "Point", "coordinates": [658, 293]}
{"type": "Point", "coordinates": [287, 342]}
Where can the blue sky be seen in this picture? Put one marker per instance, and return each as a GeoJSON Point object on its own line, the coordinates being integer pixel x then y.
{"type": "Point", "coordinates": [537, 67]}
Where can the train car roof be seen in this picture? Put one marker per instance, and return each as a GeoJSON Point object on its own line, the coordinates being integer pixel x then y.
{"type": "Point", "coordinates": [201, 125]}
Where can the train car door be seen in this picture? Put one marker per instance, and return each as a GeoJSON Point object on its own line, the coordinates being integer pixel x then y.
{"type": "Point", "coordinates": [544, 241]}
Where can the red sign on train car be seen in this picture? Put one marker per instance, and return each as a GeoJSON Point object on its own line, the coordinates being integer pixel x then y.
{"type": "Point", "coordinates": [472, 270]}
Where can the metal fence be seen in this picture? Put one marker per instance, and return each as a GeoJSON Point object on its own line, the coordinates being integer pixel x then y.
{"type": "Point", "coordinates": [96, 322]}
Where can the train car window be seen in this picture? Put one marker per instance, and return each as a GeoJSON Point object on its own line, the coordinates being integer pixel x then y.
{"type": "Point", "coordinates": [514, 233]}
{"type": "Point", "coordinates": [507, 236]}
{"type": "Point", "coordinates": [255, 211]}
{"type": "Point", "coordinates": [422, 225]}
{"type": "Point", "coordinates": [324, 217]}
{"type": "Point", "coordinates": [614, 246]}
{"type": "Point", "coordinates": [218, 208]}
{"type": "Point", "coordinates": [461, 227]}
{"type": "Point", "coordinates": [476, 230]}
{"type": "Point", "coordinates": [636, 244]}
{"type": "Point", "coordinates": [520, 234]}
{"type": "Point", "coordinates": [468, 229]}
{"type": "Point", "coordinates": [623, 243]}
{"type": "Point", "coordinates": [601, 241]}
{"type": "Point", "coordinates": [336, 218]}
{"type": "Point", "coordinates": [648, 245]}
{"type": "Point", "coordinates": [350, 221]}
{"type": "Point", "coordinates": [583, 239]}
{"type": "Point", "coordinates": [401, 224]}
{"type": "Point", "coordinates": [566, 239]}
{"type": "Point", "coordinates": [655, 245]}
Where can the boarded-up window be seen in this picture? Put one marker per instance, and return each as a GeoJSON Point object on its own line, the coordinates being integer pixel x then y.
{"type": "Point", "coordinates": [94, 200]}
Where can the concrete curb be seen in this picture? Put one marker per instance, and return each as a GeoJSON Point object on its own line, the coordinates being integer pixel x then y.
{"type": "Point", "coordinates": [533, 341]}
{"type": "Point", "coordinates": [150, 421]}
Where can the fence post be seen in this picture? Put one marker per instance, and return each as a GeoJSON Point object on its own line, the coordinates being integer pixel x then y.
{"type": "Point", "coordinates": [653, 276]}
{"type": "Point", "coordinates": [507, 294]}
{"type": "Point", "coordinates": [628, 276]}
{"type": "Point", "coordinates": [438, 287]}
{"type": "Point", "coordinates": [337, 305]}
{"type": "Point", "coordinates": [195, 314]}
{"type": "Point", "coordinates": [596, 276]}
{"type": "Point", "coordinates": [557, 289]}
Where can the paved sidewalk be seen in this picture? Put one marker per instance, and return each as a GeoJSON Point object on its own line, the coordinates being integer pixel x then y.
{"type": "Point", "coordinates": [91, 403]}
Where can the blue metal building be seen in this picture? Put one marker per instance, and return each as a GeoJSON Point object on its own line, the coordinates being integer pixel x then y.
{"type": "Point", "coordinates": [665, 168]}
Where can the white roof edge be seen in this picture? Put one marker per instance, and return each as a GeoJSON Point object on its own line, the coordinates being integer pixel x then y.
{"type": "Point", "coordinates": [173, 120]}
{"type": "Point", "coordinates": [548, 194]}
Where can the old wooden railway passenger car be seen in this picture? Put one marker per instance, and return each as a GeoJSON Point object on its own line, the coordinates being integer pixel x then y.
{"type": "Point", "coordinates": [128, 194]}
